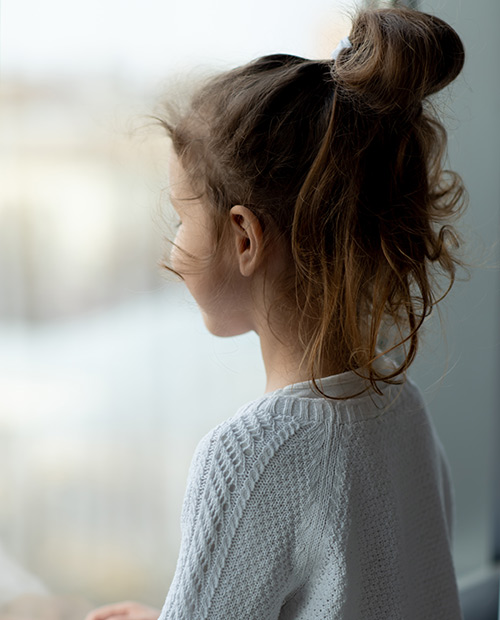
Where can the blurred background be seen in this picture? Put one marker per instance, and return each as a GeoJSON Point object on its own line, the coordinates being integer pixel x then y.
{"type": "Point", "coordinates": [108, 378]}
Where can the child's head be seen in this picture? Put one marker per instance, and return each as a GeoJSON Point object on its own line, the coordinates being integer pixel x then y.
{"type": "Point", "coordinates": [341, 164]}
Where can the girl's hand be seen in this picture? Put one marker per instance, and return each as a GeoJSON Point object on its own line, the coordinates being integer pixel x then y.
{"type": "Point", "coordinates": [127, 610]}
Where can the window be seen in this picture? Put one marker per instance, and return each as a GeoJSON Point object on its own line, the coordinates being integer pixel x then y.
{"type": "Point", "coordinates": [108, 378]}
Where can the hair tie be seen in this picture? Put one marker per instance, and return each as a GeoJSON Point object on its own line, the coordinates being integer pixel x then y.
{"type": "Point", "coordinates": [344, 44]}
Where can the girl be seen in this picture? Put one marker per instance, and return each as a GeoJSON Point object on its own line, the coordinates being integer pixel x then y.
{"type": "Point", "coordinates": [311, 201]}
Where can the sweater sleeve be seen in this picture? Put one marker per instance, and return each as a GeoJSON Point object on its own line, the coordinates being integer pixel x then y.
{"type": "Point", "coordinates": [242, 518]}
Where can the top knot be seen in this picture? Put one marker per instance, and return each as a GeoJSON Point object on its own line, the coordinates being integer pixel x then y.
{"type": "Point", "coordinates": [398, 58]}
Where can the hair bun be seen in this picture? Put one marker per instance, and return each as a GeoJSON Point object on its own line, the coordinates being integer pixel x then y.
{"type": "Point", "coordinates": [398, 58]}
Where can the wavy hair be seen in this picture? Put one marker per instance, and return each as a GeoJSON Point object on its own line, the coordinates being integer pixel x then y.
{"type": "Point", "coordinates": [343, 160]}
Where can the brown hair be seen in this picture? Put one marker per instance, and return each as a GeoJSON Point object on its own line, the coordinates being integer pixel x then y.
{"type": "Point", "coordinates": [343, 160]}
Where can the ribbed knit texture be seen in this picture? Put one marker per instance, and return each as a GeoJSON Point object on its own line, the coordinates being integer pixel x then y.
{"type": "Point", "coordinates": [304, 508]}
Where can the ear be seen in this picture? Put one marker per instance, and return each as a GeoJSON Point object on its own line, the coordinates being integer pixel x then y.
{"type": "Point", "coordinates": [248, 237]}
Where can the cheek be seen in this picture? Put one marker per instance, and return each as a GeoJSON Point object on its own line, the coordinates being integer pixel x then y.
{"type": "Point", "coordinates": [174, 256]}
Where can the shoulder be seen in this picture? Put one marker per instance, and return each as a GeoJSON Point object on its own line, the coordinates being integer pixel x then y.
{"type": "Point", "coordinates": [252, 467]}
{"type": "Point", "coordinates": [267, 435]}
{"type": "Point", "coordinates": [277, 427]}
{"type": "Point", "coordinates": [254, 433]}
{"type": "Point", "coordinates": [272, 420]}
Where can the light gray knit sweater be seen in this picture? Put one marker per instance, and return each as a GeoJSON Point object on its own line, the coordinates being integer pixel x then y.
{"type": "Point", "coordinates": [306, 508]}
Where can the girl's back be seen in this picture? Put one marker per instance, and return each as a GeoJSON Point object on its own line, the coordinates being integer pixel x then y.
{"type": "Point", "coordinates": [302, 507]}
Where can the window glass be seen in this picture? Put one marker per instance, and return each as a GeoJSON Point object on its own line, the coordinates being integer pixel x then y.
{"type": "Point", "coordinates": [108, 377]}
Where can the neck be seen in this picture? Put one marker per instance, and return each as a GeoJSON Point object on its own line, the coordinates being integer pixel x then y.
{"type": "Point", "coordinates": [282, 353]}
{"type": "Point", "coordinates": [283, 361]}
